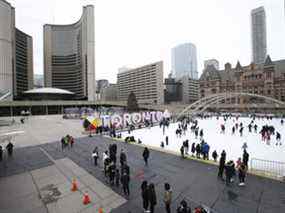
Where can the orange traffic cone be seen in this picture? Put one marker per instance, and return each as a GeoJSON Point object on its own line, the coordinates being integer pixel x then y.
{"type": "Point", "coordinates": [74, 185]}
{"type": "Point", "coordinates": [101, 210]}
{"type": "Point", "coordinates": [86, 199]}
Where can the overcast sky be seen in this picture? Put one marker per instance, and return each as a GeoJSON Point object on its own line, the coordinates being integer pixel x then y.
{"type": "Point", "coordinates": [137, 32]}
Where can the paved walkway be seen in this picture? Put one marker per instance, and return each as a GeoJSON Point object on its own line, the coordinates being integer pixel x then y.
{"type": "Point", "coordinates": [195, 181]}
{"type": "Point", "coordinates": [48, 189]}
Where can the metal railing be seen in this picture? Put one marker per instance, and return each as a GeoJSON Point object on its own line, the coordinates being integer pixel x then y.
{"type": "Point", "coordinates": [272, 168]}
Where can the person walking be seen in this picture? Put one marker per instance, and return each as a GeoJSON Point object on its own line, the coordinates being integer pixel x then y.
{"type": "Point", "coordinates": [198, 150]}
{"type": "Point", "coordinates": [241, 174]}
{"type": "Point", "coordinates": [186, 147]}
{"type": "Point", "coordinates": [245, 158]}
{"type": "Point", "coordinates": [62, 141]}
{"type": "Point", "coordinates": [215, 155]}
{"type": "Point", "coordinates": [222, 164]}
{"type": "Point", "coordinates": [145, 155]}
{"type": "Point", "coordinates": [95, 155]}
{"type": "Point", "coordinates": [182, 151]}
{"type": "Point", "coordinates": [193, 149]}
{"type": "Point", "coordinates": [9, 148]}
{"type": "Point", "coordinates": [145, 198]}
{"type": "Point", "coordinates": [229, 171]}
{"type": "Point", "coordinates": [167, 197]}
{"type": "Point", "coordinates": [152, 197]}
{"type": "Point", "coordinates": [123, 157]}
{"type": "Point", "coordinates": [166, 140]}
{"type": "Point", "coordinates": [125, 180]}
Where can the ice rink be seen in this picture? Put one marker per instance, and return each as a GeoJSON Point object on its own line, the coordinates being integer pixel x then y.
{"type": "Point", "coordinates": [232, 144]}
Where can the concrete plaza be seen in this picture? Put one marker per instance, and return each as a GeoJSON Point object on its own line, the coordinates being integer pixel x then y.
{"type": "Point", "coordinates": [38, 177]}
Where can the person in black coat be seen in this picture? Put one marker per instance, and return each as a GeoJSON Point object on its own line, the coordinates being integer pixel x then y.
{"type": "Point", "coordinates": [145, 155]}
{"type": "Point", "coordinates": [182, 151]}
{"type": "Point", "coordinates": [125, 180]}
{"type": "Point", "coordinates": [144, 188]}
{"type": "Point", "coordinates": [229, 171]}
{"type": "Point", "coordinates": [152, 197]}
{"type": "Point", "coordinates": [198, 150]}
{"type": "Point", "coordinates": [166, 140]}
{"type": "Point", "coordinates": [9, 148]}
{"type": "Point", "coordinates": [245, 158]}
{"type": "Point", "coordinates": [123, 158]}
{"type": "Point", "coordinates": [215, 155]}
{"type": "Point", "coordinates": [193, 149]}
{"type": "Point", "coordinates": [222, 164]}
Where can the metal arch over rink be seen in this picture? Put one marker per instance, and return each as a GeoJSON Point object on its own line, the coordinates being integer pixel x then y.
{"type": "Point", "coordinates": [202, 104]}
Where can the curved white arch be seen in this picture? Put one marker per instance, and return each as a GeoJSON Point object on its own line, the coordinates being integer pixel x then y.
{"type": "Point", "coordinates": [205, 102]}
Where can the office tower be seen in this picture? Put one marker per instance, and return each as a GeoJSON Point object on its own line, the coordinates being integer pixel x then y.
{"type": "Point", "coordinates": [184, 61]}
{"type": "Point", "coordinates": [258, 35]}
{"type": "Point", "coordinates": [146, 82]}
{"type": "Point", "coordinates": [69, 56]}
{"type": "Point", "coordinates": [24, 79]}
{"type": "Point", "coordinates": [16, 55]}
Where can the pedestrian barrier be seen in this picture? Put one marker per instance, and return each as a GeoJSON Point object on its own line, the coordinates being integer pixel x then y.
{"type": "Point", "coordinates": [268, 168]}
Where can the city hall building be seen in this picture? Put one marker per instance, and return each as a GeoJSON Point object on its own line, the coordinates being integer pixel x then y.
{"type": "Point", "coordinates": [69, 56]}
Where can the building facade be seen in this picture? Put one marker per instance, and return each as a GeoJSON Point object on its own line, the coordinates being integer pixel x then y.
{"type": "Point", "coordinates": [109, 93]}
{"type": "Point", "coordinates": [100, 84]}
{"type": "Point", "coordinates": [213, 62]}
{"type": "Point", "coordinates": [258, 35]}
{"type": "Point", "coordinates": [184, 61]}
{"type": "Point", "coordinates": [267, 79]}
{"type": "Point", "coordinates": [190, 90]}
{"type": "Point", "coordinates": [7, 32]}
{"type": "Point", "coordinates": [24, 79]}
{"type": "Point", "coordinates": [69, 56]}
{"type": "Point", "coordinates": [146, 82]}
{"type": "Point", "coordinates": [16, 55]}
{"type": "Point", "coordinates": [173, 90]}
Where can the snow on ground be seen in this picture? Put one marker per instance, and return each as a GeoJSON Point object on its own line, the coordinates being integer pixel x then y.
{"type": "Point", "coordinates": [232, 144]}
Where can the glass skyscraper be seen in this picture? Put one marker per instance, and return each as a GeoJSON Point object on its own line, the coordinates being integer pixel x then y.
{"type": "Point", "coordinates": [258, 35]}
{"type": "Point", "coordinates": [184, 61]}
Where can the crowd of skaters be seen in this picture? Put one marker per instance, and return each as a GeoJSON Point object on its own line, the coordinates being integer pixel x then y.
{"type": "Point", "coordinates": [118, 174]}
{"type": "Point", "coordinates": [227, 169]}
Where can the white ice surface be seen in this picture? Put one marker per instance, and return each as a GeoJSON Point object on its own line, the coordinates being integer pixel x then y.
{"type": "Point", "coordinates": [230, 143]}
